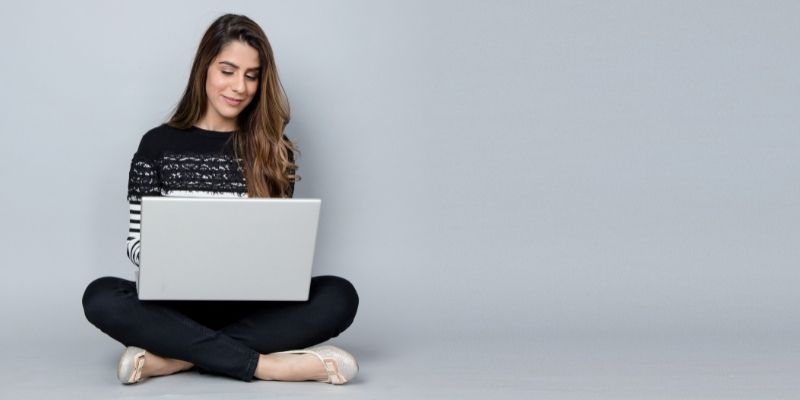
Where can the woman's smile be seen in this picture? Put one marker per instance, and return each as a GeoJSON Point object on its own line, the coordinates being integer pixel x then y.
{"type": "Point", "coordinates": [230, 101]}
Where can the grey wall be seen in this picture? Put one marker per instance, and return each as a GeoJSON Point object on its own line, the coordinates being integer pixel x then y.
{"type": "Point", "coordinates": [487, 169]}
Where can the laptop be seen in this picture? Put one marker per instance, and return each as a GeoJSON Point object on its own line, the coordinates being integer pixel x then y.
{"type": "Point", "coordinates": [226, 248]}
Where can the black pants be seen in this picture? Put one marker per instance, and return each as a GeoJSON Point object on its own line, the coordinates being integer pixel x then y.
{"type": "Point", "coordinates": [223, 337]}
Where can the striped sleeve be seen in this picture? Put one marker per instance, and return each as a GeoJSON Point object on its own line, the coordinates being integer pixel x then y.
{"type": "Point", "coordinates": [134, 230]}
{"type": "Point", "coordinates": [143, 180]}
{"type": "Point", "coordinates": [291, 183]}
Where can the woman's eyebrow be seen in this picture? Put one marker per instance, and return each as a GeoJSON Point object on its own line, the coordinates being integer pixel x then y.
{"type": "Point", "coordinates": [236, 66]}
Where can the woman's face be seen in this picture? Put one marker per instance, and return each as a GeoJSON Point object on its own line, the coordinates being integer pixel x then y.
{"type": "Point", "coordinates": [231, 83]}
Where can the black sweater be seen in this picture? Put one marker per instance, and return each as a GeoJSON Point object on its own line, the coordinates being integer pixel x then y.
{"type": "Point", "coordinates": [188, 163]}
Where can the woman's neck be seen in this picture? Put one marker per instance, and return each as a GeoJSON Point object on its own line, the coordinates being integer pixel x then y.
{"type": "Point", "coordinates": [218, 125]}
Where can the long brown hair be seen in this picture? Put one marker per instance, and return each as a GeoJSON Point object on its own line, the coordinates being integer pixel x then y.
{"type": "Point", "coordinates": [259, 141]}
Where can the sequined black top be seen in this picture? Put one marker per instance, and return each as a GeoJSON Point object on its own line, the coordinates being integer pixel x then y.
{"type": "Point", "coordinates": [189, 163]}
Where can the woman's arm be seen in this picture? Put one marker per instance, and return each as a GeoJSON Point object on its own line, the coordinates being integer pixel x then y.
{"type": "Point", "coordinates": [143, 180]}
{"type": "Point", "coordinates": [134, 230]}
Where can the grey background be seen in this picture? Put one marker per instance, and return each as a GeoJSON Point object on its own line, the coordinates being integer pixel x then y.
{"type": "Point", "coordinates": [500, 174]}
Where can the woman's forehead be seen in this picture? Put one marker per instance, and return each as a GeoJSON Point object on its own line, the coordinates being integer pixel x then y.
{"type": "Point", "coordinates": [239, 55]}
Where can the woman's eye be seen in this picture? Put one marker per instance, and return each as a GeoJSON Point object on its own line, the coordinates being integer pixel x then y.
{"type": "Point", "coordinates": [252, 78]}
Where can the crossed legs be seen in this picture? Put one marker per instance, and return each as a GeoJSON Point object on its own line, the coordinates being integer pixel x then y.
{"type": "Point", "coordinates": [229, 338]}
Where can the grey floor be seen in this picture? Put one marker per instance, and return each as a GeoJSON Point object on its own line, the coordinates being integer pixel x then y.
{"type": "Point", "coordinates": [497, 368]}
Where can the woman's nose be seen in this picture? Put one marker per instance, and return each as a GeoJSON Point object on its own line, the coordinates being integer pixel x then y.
{"type": "Point", "coordinates": [238, 85]}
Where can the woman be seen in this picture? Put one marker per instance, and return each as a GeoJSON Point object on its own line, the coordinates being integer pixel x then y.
{"type": "Point", "coordinates": [225, 138]}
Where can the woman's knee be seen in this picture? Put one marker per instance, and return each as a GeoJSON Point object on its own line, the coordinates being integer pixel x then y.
{"type": "Point", "coordinates": [98, 299]}
{"type": "Point", "coordinates": [340, 295]}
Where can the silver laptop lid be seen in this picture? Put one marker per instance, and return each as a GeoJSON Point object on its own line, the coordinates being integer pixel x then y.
{"type": "Point", "coordinates": [226, 248]}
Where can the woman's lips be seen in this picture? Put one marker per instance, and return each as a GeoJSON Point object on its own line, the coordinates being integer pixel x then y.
{"type": "Point", "coordinates": [231, 101]}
